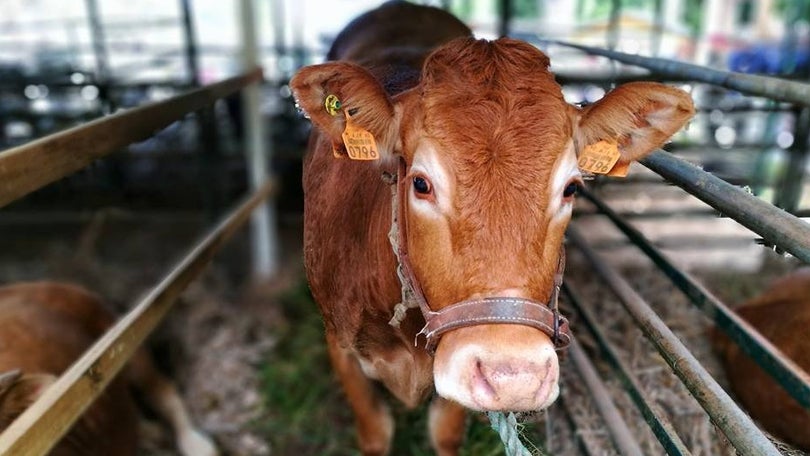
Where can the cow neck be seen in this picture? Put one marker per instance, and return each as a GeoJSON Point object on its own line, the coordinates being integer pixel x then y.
{"type": "Point", "coordinates": [489, 310]}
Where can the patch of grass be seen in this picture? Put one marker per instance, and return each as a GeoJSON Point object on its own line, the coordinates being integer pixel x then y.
{"type": "Point", "coordinates": [307, 413]}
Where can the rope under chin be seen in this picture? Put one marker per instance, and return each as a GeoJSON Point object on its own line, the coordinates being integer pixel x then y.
{"type": "Point", "coordinates": [506, 426]}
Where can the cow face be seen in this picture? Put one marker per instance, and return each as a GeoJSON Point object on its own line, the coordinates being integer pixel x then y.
{"type": "Point", "coordinates": [491, 150]}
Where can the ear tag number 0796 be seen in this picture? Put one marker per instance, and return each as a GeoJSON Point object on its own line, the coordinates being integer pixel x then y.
{"type": "Point", "coordinates": [360, 143]}
{"type": "Point", "coordinates": [599, 157]}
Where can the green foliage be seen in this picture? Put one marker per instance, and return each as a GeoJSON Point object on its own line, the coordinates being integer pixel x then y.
{"type": "Point", "coordinates": [306, 412]}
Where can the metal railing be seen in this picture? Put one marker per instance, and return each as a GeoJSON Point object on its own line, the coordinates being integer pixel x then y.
{"type": "Point", "coordinates": [779, 229]}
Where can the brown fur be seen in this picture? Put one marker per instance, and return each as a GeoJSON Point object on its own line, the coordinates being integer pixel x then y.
{"type": "Point", "coordinates": [499, 126]}
{"type": "Point", "coordinates": [44, 328]}
{"type": "Point", "coordinates": [782, 315]}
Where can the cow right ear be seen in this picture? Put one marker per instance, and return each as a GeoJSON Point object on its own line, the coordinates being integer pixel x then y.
{"type": "Point", "coordinates": [329, 92]}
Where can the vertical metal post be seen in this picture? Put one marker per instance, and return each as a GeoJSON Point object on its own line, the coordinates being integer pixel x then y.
{"type": "Point", "coordinates": [212, 181]}
{"type": "Point", "coordinates": [263, 223]}
{"type": "Point", "coordinates": [191, 42]}
{"type": "Point", "coordinates": [506, 17]}
{"type": "Point", "coordinates": [789, 190]}
{"type": "Point", "coordinates": [298, 42]}
{"type": "Point", "coordinates": [613, 25]}
{"type": "Point", "coordinates": [658, 29]}
{"type": "Point", "coordinates": [99, 53]}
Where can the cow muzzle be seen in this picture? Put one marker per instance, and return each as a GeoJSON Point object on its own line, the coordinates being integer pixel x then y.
{"type": "Point", "coordinates": [493, 358]}
{"type": "Point", "coordinates": [497, 368]}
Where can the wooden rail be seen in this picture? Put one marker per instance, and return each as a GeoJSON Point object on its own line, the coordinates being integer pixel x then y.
{"type": "Point", "coordinates": [31, 166]}
{"type": "Point", "coordinates": [40, 427]}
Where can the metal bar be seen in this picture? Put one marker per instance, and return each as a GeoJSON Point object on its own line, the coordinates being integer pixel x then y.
{"type": "Point", "coordinates": [733, 180]}
{"type": "Point", "coordinates": [31, 166]}
{"type": "Point", "coordinates": [190, 42]}
{"type": "Point", "coordinates": [774, 88]}
{"type": "Point", "coordinates": [790, 186]}
{"type": "Point", "coordinates": [505, 18]}
{"type": "Point", "coordinates": [612, 32]}
{"type": "Point", "coordinates": [737, 426]}
{"type": "Point", "coordinates": [787, 373]}
{"type": "Point", "coordinates": [657, 31]}
{"type": "Point", "coordinates": [660, 425]}
{"type": "Point", "coordinates": [654, 214]}
{"type": "Point", "coordinates": [775, 225]}
{"type": "Point", "coordinates": [98, 41]}
{"type": "Point", "coordinates": [582, 445]}
{"type": "Point", "coordinates": [41, 426]}
{"type": "Point", "coordinates": [617, 428]}
{"type": "Point", "coordinates": [257, 149]}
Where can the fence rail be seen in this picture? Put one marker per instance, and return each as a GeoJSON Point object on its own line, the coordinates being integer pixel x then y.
{"type": "Point", "coordinates": [735, 424]}
{"type": "Point", "coordinates": [29, 167]}
{"type": "Point", "coordinates": [780, 229]}
{"type": "Point", "coordinates": [764, 86]}
{"type": "Point", "coordinates": [770, 358]}
{"type": "Point", "coordinates": [42, 425]}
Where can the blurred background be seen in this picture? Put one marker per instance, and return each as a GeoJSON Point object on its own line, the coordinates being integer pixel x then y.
{"type": "Point", "coordinates": [118, 225]}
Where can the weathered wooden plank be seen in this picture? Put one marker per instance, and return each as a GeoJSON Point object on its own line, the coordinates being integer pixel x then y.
{"type": "Point", "coordinates": [38, 429]}
{"type": "Point", "coordinates": [31, 166]}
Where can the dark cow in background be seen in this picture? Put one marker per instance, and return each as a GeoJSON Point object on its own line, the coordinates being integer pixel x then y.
{"type": "Point", "coordinates": [781, 314]}
{"type": "Point", "coordinates": [484, 150]}
{"type": "Point", "coordinates": [44, 328]}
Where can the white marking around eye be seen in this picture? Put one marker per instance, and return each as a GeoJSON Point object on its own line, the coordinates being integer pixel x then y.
{"type": "Point", "coordinates": [426, 162]}
{"type": "Point", "coordinates": [565, 170]}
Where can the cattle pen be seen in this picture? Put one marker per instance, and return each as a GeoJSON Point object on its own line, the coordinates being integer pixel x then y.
{"type": "Point", "coordinates": [781, 224]}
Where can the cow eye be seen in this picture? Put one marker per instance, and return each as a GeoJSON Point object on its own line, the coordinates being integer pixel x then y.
{"type": "Point", "coordinates": [570, 190]}
{"type": "Point", "coordinates": [422, 186]}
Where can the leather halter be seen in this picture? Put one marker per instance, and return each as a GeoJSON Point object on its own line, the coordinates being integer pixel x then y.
{"type": "Point", "coordinates": [489, 310]}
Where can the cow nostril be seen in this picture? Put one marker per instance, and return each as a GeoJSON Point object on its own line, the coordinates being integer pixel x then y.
{"type": "Point", "coordinates": [481, 380]}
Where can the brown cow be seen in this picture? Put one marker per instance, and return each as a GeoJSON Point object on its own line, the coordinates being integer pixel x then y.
{"type": "Point", "coordinates": [782, 315]}
{"type": "Point", "coordinates": [44, 328]}
{"type": "Point", "coordinates": [484, 149]}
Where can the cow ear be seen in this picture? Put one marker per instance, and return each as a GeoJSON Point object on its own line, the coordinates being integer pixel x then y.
{"type": "Point", "coordinates": [639, 117]}
{"type": "Point", "coordinates": [328, 92]}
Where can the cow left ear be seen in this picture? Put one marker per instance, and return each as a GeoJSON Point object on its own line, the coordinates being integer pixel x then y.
{"type": "Point", "coordinates": [329, 92]}
{"type": "Point", "coordinates": [638, 117]}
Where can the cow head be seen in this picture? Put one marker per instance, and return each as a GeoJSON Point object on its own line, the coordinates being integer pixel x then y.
{"type": "Point", "coordinates": [491, 151]}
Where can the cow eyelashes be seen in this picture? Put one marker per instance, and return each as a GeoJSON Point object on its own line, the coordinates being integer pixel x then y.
{"type": "Point", "coordinates": [422, 187]}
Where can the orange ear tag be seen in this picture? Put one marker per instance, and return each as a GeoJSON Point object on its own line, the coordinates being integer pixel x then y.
{"type": "Point", "coordinates": [599, 157]}
{"type": "Point", "coordinates": [360, 144]}
{"type": "Point", "coordinates": [620, 170]}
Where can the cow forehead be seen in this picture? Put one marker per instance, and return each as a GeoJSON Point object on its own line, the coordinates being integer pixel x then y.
{"type": "Point", "coordinates": [491, 102]}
